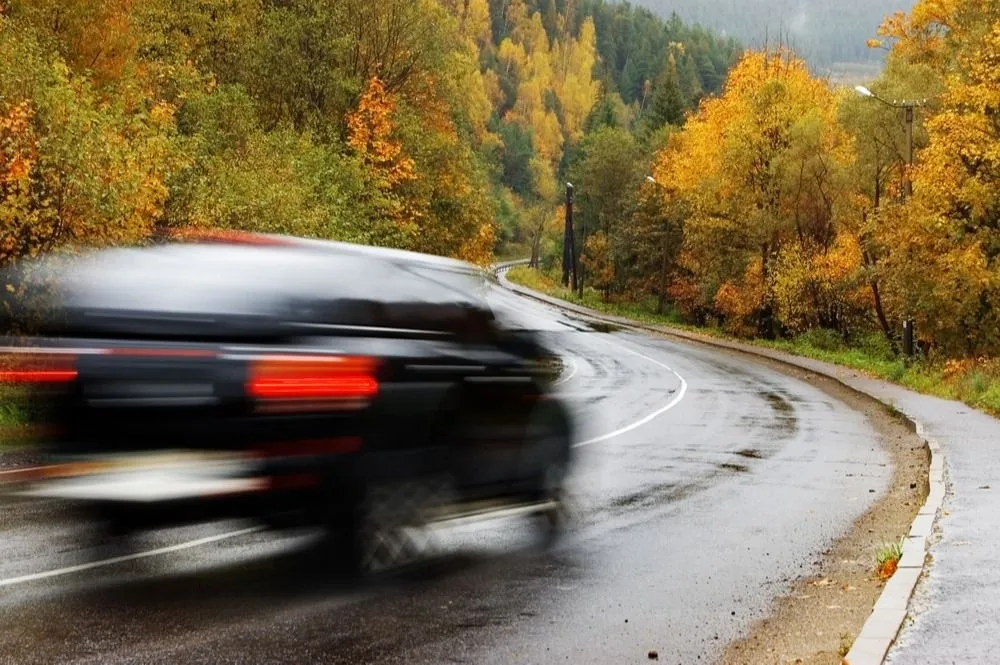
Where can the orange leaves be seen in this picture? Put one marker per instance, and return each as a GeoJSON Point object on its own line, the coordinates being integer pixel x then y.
{"type": "Point", "coordinates": [479, 248]}
{"type": "Point", "coordinates": [370, 132]}
{"type": "Point", "coordinates": [739, 302]}
{"type": "Point", "coordinates": [926, 33]}
{"type": "Point", "coordinates": [97, 36]}
{"type": "Point", "coordinates": [18, 146]}
{"type": "Point", "coordinates": [73, 166]}
{"type": "Point", "coordinates": [18, 156]}
{"type": "Point", "coordinates": [886, 569]}
{"type": "Point", "coordinates": [943, 248]}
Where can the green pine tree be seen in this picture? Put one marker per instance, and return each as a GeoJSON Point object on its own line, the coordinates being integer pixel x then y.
{"type": "Point", "coordinates": [668, 100]}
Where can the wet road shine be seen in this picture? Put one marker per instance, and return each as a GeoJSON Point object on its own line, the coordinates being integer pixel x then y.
{"type": "Point", "coordinates": [709, 483]}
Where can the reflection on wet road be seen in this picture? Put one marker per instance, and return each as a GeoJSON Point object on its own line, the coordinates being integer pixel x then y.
{"type": "Point", "coordinates": [690, 525]}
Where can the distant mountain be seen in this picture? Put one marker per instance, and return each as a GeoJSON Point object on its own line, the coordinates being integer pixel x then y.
{"type": "Point", "coordinates": [829, 34]}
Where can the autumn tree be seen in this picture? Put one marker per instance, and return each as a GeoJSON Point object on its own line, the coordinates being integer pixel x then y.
{"type": "Point", "coordinates": [943, 249]}
{"type": "Point", "coordinates": [73, 167]}
{"type": "Point", "coordinates": [422, 124]}
{"type": "Point", "coordinates": [759, 168]}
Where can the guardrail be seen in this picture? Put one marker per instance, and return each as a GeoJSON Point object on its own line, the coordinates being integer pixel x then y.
{"type": "Point", "coordinates": [507, 265]}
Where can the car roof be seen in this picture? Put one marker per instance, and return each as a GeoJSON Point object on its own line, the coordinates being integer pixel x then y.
{"type": "Point", "coordinates": [385, 253]}
{"type": "Point", "coordinates": [211, 284]}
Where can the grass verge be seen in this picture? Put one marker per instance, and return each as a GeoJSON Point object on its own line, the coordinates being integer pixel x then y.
{"type": "Point", "coordinates": [14, 419]}
{"type": "Point", "coordinates": [974, 381]}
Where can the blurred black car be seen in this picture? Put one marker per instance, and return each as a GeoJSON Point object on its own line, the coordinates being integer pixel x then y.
{"type": "Point", "coordinates": [296, 382]}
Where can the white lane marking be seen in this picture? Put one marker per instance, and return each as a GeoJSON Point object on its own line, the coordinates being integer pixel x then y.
{"type": "Point", "coordinates": [639, 423]}
{"type": "Point", "coordinates": [655, 414]}
{"type": "Point", "coordinates": [573, 367]}
{"type": "Point", "coordinates": [11, 581]}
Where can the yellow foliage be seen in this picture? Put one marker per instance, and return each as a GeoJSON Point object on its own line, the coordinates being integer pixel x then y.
{"type": "Point", "coordinates": [473, 17]}
{"type": "Point", "coordinates": [574, 85]}
{"type": "Point", "coordinates": [757, 167]}
{"type": "Point", "coordinates": [479, 248]}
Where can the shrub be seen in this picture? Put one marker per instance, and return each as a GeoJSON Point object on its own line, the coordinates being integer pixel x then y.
{"type": "Point", "coordinates": [822, 339]}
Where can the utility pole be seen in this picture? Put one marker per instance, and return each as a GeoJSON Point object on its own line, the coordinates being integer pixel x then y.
{"type": "Point", "coordinates": [908, 107]}
{"type": "Point", "coordinates": [664, 236]}
{"type": "Point", "coordinates": [569, 249]}
{"type": "Point", "coordinates": [908, 113]}
{"type": "Point", "coordinates": [908, 182]}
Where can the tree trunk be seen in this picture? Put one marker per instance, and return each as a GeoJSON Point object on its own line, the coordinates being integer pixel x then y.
{"type": "Point", "coordinates": [877, 296]}
{"type": "Point", "coordinates": [662, 304]}
{"type": "Point", "coordinates": [880, 312]}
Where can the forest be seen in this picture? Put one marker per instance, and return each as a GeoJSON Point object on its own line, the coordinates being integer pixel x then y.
{"type": "Point", "coordinates": [782, 207]}
{"type": "Point", "coordinates": [440, 126]}
{"type": "Point", "coordinates": [733, 188]}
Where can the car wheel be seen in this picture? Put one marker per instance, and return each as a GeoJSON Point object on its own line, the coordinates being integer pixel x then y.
{"type": "Point", "coordinates": [389, 528]}
{"type": "Point", "coordinates": [554, 518]}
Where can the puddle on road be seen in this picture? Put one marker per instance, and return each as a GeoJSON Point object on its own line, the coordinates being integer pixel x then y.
{"type": "Point", "coordinates": [781, 419]}
{"type": "Point", "coordinates": [654, 495]}
{"type": "Point", "coordinates": [750, 453]}
{"type": "Point", "coordinates": [778, 403]}
{"type": "Point", "coordinates": [602, 327]}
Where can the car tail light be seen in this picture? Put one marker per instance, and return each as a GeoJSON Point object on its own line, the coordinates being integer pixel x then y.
{"type": "Point", "coordinates": [225, 237]}
{"type": "Point", "coordinates": [302, 382]}
{"type": "Point", "coordinates": [29, 367]}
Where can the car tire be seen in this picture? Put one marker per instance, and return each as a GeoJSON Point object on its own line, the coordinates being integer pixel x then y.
{"type": "Point", "coordinates": [550, 484]}
{"type": "Point", "coordinates": [554, 519]}
{"type": "Point", "coordinates": [387, 530]}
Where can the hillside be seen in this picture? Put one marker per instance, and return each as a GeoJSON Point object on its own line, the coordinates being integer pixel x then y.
{"type": "Point", "coordinates": [442, 126]}
{"type": "Point", "coordinates": [829, 34]}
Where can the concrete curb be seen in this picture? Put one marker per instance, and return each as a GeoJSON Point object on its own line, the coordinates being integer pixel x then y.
{"type": "Point", "coordinates": [883, 625]}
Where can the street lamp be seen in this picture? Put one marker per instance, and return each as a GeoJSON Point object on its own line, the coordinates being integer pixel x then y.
{"type": "Point", "coordinates": [908, 107]}
{"type": "Point", "coordinates": [664, 255]}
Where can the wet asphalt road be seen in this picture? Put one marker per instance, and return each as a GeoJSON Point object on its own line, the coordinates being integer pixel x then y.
{"type": "Point", "coordinates": [707, 484]}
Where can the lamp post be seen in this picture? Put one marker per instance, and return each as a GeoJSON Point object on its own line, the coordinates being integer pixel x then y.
{"type": "Point", "coordinates": [908, 113]}
{"type": "Point", "coordinates": [569, 266]}
{"type": "Point", "coordinates": [663, 251]}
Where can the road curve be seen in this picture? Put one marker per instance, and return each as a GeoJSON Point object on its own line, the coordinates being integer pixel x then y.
{"type": "Point", "coordinates": [706, 484]}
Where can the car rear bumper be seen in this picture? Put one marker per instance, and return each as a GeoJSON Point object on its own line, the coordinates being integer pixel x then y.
{"type": "Point", "coordinates": [179, 486]}
{"type": "Point", "coordinates": [149, 478]}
